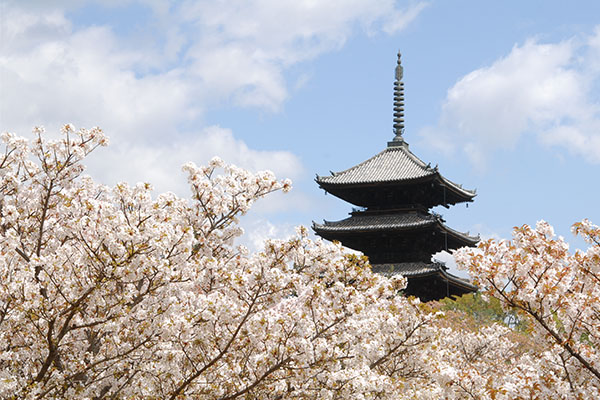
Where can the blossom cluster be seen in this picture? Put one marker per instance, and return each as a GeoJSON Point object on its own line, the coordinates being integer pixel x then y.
{"type": "Point", "coordinates": [117, 293]}
{"type": "Point", "coordinates": [112, 293]}
{"type": "Point", "coordinates": [557, 292]}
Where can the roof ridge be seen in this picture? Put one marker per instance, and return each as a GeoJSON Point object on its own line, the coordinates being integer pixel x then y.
{"type": "Point", "coordinates": [411, 155]}
{"type": "Point", "coordinates": [355, 166]}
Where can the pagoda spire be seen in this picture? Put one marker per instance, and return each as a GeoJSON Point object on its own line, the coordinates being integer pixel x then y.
{"type": "Point", "coordinates": [398, 105]}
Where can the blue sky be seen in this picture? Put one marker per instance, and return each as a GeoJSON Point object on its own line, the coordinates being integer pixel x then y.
{"type": "Point", "coordinates": [503, 96]}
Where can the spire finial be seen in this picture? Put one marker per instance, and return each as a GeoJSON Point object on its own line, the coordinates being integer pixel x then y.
{"type": "Point", "coordinates": [399, 103]}
{"type": "Point", "coordinates": [399, 69]}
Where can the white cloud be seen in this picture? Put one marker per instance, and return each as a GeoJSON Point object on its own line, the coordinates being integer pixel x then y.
{"type": "Point", "coordinates": [398, 20]}
{"type": "Point", "coordinates": [245, 47]}
{"type": "Point", "coordinates": [148, 88]}
{"type": "Point", "coordinates": [161, 165]}
{"type": "Point", "coordinates": [195, 54]}
{"type": "Point", "coordinates": [71, 80]}
{"type": "Point", "coordinates": [541, 89]}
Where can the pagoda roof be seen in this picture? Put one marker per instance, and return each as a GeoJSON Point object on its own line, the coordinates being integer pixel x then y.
{"type": "Point", "coordinates": [423, 270]}
{"type": "Point", "coordinates": [396, 164]}
{"type": "Point", "coordinates": [396, 221]}
{"type": "Point", "coordinates": [407, 269]}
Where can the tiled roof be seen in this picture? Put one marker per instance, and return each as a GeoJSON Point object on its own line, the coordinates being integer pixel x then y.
{"type": "Point", "coordinates": [407, 269]}
{"type": "Point", "coordinates": [394, 164]}
{"type": "Point", "coordinates": [399, 221]}
{"type": "Point", "coordinates": [419, 269]}
{"type": "Point", "coordinates": [378, 222]}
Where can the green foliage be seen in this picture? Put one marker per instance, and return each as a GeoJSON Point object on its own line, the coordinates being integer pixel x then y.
{"type": "Point", "coordinates": [485, 311]}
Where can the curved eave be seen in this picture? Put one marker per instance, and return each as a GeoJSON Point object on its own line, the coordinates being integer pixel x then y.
{"type": "Point", "coordinates": [425, 270]}
{"type": "Point", "coordinates": [323, 182]}
{"type": "Point", "coordinates": [406, 269]}
{"type": "Point", "coordinates": [458, 282]}
{"type": "Point", "coordinates": [466, 194]}
{"type": "Point", "coordinates": [456, 193]}
{"type": "Point", "coordinates": [328, 228]}
{"type": "Point", "coordinates": [374, 224]}
{"type": "Point", "coordinates": [394, 164]}
{"type": "Point", "coordinates": [459, 236]}
{"type": "Point", "coordinates": [452, 280]}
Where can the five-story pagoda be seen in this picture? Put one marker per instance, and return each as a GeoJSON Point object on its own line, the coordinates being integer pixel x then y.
{"type": "Point", "coordinates": [393, 226]}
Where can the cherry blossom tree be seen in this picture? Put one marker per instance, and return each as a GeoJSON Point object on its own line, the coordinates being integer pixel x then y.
{"type": "Point", "coordinates": [109, 293]}
{"type": "Point", "coordinates": [113, 293]}
{"type": "Point", "coordinates": [559, 294]}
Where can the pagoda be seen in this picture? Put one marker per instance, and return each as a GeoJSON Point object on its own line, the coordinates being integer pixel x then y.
{"type": "Point", "coordinates": [393, 224]}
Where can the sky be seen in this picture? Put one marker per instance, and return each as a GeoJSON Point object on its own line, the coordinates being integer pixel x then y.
{"type": "Point", "coordinates": [503, 96]}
